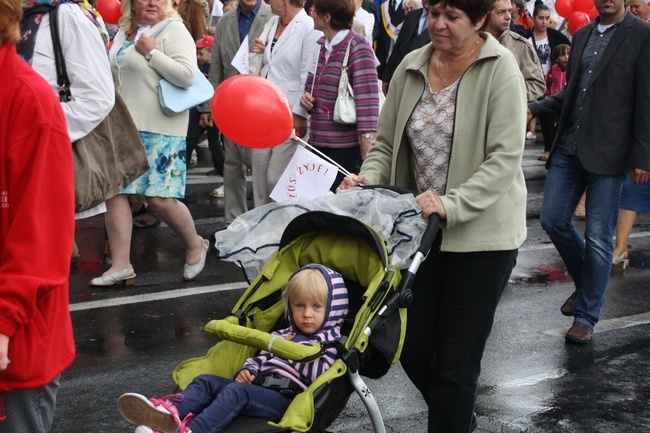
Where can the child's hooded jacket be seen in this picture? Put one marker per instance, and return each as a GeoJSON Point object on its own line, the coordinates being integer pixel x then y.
{"type": "Point", "coordinates": [303, 373]}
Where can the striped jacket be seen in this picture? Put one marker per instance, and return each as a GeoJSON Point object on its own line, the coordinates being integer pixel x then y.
{"type": "Point", "coordinates": [304, 373]}
{"type": "Point", "coordinates": [362, 73]}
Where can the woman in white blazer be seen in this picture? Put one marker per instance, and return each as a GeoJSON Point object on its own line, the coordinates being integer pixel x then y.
{"type": "Point", "coordinates": [289, 48]}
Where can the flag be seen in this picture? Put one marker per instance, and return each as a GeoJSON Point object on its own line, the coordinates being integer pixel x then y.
{"type": "Point", "coordinates": [307, 176]}
{"type": "Point", "coordinates": [240, 61]}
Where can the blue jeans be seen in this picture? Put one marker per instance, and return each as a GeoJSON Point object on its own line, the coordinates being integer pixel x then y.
{"type": "Point", "coordinates": [588, 261]}
{"type": "Point", "coordinates": [216, 401]}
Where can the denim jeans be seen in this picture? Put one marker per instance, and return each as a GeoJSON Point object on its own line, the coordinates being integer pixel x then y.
{"type": "Point", "coordinates": [216, 401]}
{"type": "Point", "coordinates": [588, 261]}
{"type": "Point", "coordinates": [455, 296]}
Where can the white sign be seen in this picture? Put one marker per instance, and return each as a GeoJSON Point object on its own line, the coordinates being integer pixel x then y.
{"type": "Point", "coordinates": [240, 61]}
{"type": "Point", "coordinates": [307, 176]}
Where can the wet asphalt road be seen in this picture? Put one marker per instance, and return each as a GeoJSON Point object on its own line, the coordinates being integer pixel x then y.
{"type": "Point", "coordinates": [130, 339]}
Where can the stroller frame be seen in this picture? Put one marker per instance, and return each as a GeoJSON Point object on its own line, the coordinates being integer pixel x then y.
{"type": "Point", "coordinates": [385, 296]}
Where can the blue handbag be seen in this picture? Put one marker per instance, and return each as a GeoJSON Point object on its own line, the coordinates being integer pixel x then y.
{"type": "Point", "coordinates": [174, 100]}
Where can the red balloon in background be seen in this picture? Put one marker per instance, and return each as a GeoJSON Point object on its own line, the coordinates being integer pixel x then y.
{"type": "Point", "coordinates": [564, 8]}
{"type": "Point", "coordinates": [252, 111]}
{"type": "Point", "coordinates": [593, 13]}
{"type": "Point", "coordinates": [110, 10]}
{"type": "Point", "coordinates": [583, 5]}
{"type": "Point", "coordinates": [576, 20]}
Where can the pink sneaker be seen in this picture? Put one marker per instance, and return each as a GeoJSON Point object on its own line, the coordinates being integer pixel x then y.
{"type": "Point", "coordinates": [184, 428]}
{"type": "Point", "coordinates": [157, 414]}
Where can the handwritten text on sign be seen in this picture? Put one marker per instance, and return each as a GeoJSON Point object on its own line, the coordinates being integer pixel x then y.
{"type": "Point", "coordinates": [307, 176]}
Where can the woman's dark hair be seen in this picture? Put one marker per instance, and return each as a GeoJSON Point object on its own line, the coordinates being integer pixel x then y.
{"type": "Point", "coordinates": [558, 51]}
{"type": "Point", "coordinates": [341, 12]}
{"type": "Point", "coordinates": [540, 7]}
{"type": "Point", "coordinates": [474, 9]}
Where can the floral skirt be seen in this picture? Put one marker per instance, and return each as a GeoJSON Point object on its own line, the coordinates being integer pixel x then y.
{"type": "Point", "coordinates": [166, 175]}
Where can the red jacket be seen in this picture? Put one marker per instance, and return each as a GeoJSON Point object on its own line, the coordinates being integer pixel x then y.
{"type": "Point", "coordinates": [36, 227]}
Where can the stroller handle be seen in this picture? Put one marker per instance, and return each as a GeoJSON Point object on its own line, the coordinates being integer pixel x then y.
{"type": "Point", "coordinates": [404, 295]}
{"type": "Point", "coordinates": [434, 219]}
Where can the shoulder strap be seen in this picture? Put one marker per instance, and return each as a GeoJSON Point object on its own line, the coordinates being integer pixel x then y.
{"type": "Point", "coordinates": [153, 35]}
{"type": "Point", "coordinates": [344, 65]}
{"type": "Point", "coordinates": [267, 27]}
{"type": "Point", "coordinates": [61, 72]}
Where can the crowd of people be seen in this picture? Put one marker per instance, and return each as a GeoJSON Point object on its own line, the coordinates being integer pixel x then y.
{"type": "Point", "coordinates": [463, 81]}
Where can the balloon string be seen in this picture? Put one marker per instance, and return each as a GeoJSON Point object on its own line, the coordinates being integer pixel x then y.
{"type": "Point", "coordinates": [341, 169]}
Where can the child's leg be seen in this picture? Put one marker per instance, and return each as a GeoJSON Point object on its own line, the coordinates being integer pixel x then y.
{"type": "Point", "coordinates": [194, 132]}
{"type": "Point", "coordinates": [216, 150]}
{"type": "Point", "coordinates": [239, 398]}
{"type": "Point", "coordinates": [200, 393]}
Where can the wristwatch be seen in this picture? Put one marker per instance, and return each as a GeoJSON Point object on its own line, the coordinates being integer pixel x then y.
{"type": "Point", "coordinates": [149, 55]}
{"type": "Point", "coordinates": [368, 135]}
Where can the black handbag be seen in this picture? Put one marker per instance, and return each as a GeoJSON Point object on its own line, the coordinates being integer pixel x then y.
{"type": "Point", "coordinates": [112, 155]}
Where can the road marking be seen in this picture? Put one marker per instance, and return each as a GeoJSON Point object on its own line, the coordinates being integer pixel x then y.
{"type": "Point", "coordinates": [604, 325]}
{"type": "Point", "coordinates": [611, 324]}
{"type": "Point", "coordinates": [170, 294]}
{"type": "Point", "coordinates": [551, 246]}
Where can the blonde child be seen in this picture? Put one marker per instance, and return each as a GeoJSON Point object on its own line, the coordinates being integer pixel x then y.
{"type": "Point", "coordinates": [316, 305]}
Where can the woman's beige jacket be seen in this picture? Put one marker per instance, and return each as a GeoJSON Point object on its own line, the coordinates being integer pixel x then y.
{"type": "Point", "coordinates": [485, 197]}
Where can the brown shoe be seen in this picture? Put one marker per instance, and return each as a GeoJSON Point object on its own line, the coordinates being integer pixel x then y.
{"type": "Point", "coordinates": [568, 305]}
{"type": "Point", "coordinates": [579, 333]}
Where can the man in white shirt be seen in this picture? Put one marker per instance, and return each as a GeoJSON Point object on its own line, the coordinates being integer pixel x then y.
{"type": "Point", "coordinates": [365, 18]}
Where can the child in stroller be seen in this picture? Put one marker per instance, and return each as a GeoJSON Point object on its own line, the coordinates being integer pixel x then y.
{"type": "Point", "coordinates": [316, 306]}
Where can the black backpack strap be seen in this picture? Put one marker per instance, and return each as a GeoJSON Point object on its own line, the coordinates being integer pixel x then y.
{"type": "Point", "coordinates": [61, 72]}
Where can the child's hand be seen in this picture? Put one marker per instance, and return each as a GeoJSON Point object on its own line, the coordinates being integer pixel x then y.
{"type": "Point", "coordinates": [245, 376]}
{"type": "Point", "coordinates": [289, 337]}
{"type": "Point", "coordinates": [206, 120]}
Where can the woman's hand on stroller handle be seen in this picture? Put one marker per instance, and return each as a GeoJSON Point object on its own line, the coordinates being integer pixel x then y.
{"type": "Point", "coordinates": [351, 181]}
{"type": "Point", "coordinates": [430, 203]}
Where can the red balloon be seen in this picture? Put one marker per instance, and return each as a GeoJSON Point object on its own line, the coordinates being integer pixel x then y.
{"type": "Point", "coordinates": [576, 20]}
{"type": "Point", "coordinates": [583, 5]}
{"type": "Point", "coordinates": [252, 111]}
{"type": "Point", "coordinates": [110, 10]}
{"type": "Point", "coordinates": [593, 13]}
{"type": "Point", "coordinates": [564, 8]}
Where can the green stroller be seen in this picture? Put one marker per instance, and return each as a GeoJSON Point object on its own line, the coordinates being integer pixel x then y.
{"type": "Point", "coordinates": [373, 332]}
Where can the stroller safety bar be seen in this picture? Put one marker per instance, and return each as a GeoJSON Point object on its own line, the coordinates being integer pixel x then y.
{"type": "Point", "coordinates": [229, 329]}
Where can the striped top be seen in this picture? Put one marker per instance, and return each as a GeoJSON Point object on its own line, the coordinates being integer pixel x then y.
{"type": "Point", "coordinates": [304, 373]}
{"type": "Point", "coordinates": [362, 72]}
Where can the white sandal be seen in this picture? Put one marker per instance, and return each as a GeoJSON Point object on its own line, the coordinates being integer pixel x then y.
{"type": "Point", "coordinates": [191, 271]}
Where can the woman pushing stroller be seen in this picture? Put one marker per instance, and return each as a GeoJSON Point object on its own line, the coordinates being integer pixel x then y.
{"type": "Point", "coordinates": [316, 306]}
{"type": "Point", "coordinates": [452, 128]}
